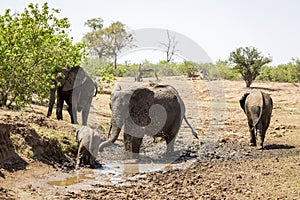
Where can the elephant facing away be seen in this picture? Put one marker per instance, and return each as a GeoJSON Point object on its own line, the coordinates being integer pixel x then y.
{"type": "Point", "coordinates": [77, 89]}
{"type": "Point", "coordinates": [258, 107]}
{"type": "Point", "coordinates": [148, 109]}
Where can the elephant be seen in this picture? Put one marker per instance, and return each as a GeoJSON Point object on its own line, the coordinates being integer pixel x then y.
{"type": "Point", "coordinates": [77, 89]}
{"type": "Point", "coordinates": [88, 146]}
{"type": "Point", "coordinates": [145, 109]}
{"type": "Point", "coordinates": [258, 107]}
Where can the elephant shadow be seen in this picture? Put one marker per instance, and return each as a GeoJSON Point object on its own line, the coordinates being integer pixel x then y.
{"type": "Point", "coordinates": [278, 146]}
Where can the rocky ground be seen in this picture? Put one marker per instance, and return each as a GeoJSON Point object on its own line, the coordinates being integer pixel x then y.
{"type": "Point", "coordinates": [38, 164]}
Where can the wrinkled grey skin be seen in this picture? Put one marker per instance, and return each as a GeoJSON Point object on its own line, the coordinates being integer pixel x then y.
{"type": "Point", "coordinates": [258, 109]}
{"type": "Point", "coordinates": [148, 109]}
{"type": "Point", "coordinates": [88, 146]}
{"type": "Point", "coordinates": [77, 90]}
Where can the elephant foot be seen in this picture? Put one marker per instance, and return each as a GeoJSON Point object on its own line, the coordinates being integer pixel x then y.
{"type": "Point", "coordinates": [168, 156]}
{"type": "Point", "coordinates": [132, 156]}
{"type": "Point", "coordinates": [252, 144]}
{"type": "Point", "coordinates": [260, 147]}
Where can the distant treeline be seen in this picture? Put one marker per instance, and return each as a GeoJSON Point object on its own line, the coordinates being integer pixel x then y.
{"type": "Point", "coordinates": [289, 72]}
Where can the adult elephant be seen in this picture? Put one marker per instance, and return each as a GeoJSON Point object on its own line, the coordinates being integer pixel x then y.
{"type": "Point", "coordinates": [258, 107]}
{"type": "Point", "coordinates": [148, 109]}
{"type": "Point", "coordinates": [77, 89]}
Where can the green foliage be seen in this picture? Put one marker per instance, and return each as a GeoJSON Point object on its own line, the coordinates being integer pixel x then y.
{"type": "Point", "coordinates": [165, 68]}
{"type": "Point", "coordinates": [188, 68]}
{"type": "Point", "coordinates": [289, 72]}
{"type": "Point", "coordinates": [34, 45]}
{"type": "Point", "coordinates": [248, 62]}
{"type": "Point", "coordinates": [226, 72]}
{"type": "Point", "coordinates": [109, 41]}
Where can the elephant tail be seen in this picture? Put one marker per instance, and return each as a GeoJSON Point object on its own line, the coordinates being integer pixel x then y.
{"type": "Point", "coordinates": [258, 109]}
{"type": "Point", "coordinates": [96, 88]}
{"type": "Point", "coordinates": [193, 130]}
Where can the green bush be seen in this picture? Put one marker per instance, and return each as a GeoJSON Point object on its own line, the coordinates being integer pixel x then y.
{"type": "Point", "coordinates": [226, 72]}
{"type": "Point", "coordinates": [289, 72]}
{"type": "Point", "coordinates": [34, 46]}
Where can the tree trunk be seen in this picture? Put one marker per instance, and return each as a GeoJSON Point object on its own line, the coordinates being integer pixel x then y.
{"type": "Point", "coordinates": [115, 61]}
{"type": "Point", "coordinates": [248, 83]}
{"type": "Point", "coordinates": [3, 100]}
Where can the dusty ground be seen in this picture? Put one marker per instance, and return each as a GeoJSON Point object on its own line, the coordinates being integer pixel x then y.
{"type": "Point", "coordinates": [220, 165]}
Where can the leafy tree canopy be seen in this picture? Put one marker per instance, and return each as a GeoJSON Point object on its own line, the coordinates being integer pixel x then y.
{"type": "Point", "coordinates": [109, 41]}
{"type": "Point", "coordinates": [248, 62]}
{"type": "Point", "coordinates": [34, 46]}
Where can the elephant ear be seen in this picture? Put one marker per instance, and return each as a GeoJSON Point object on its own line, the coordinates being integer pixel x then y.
{"type": "Point", "coordinates": [243, 100]}
{"type": "Point", "coordinates": [139, 105]}
{"type": "Point", "coordinates": [74, 78]}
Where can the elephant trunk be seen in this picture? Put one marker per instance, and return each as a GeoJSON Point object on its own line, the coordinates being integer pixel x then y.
{"type": "Point", "coordinates": [115, 134]}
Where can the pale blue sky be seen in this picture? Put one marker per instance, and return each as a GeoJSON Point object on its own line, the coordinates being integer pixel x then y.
{"type": "Point", "coordinates": [218, 26]}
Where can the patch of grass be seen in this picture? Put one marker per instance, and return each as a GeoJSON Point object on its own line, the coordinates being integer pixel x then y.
{"type": "Point", "coordinates": [30, 154]}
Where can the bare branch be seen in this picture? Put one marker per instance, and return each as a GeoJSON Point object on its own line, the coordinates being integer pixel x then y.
{"type": "Point", "coordinates": [170, 46]}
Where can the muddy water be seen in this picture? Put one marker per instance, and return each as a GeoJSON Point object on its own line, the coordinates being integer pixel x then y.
{"type": "Point", "coordinates": [110, 174]}
{"type": "Point", "coordinates": [72, 180]}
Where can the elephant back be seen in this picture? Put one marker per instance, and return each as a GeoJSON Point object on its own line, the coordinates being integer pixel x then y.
{"type": "Point", "coordinates": [254, 106]}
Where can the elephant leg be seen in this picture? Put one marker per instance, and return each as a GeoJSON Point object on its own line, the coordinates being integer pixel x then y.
{"type": "Point", "coordinates": [79, 156]}
{"type": "Point", "coordinates": [59, 106]}
{"type": "Point", "coordinates": [260, 135]}
{"type": "Point", "coordinates": [74, 113]}
{"type": "Point", "coordinates": [170, 136]}
{"type": "Point", "coordinates": [252, 135]}
{"type": "Point", "coordinates": [132, 146]}
{"type": "Point", "coordinates": [72, 110]}
{"type": "Point", "coordinates": [170, 141]}
{"type": "Point", "coordinates": [86, 111]}
{"type": "Point", "coordinates": [127, 141]}
{"type": "Point", "coordinates": [170, 145]}
{"type": "Point", "coordinates": [69, 109]}
{"type": "Point", "coordinates": [92, 161]}
{"type": "Point", "coordinates": [52, 101]}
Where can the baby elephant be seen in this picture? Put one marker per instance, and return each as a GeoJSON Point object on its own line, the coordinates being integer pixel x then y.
{"type": "Point", "coordinates": [258, 108]}
{"type": "Point", "coordinates": [88, 145]}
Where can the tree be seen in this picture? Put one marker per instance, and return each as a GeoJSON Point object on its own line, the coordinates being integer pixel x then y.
{"type": "Point", "coordinates": [94, 39]}
{"type": "Point", "coordinates": [170, 47]}
{"type": "Point", "coordinates": [107, 42]}
{"type": "Point", "coordinates": [248, 62]}
{"type": "Point", "coordinates": [34, 47]}
{"type": "Point", "coordinates": [95, 23]}
{"type": "Point", "coordinates": [117, 38]}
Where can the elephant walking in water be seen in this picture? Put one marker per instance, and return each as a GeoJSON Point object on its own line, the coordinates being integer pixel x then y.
{"type": "Point", "coordinates": [77, 89]}
{"type": "Point", "coordinates": [258, 108]}
{"type": "Point", "coordinates": [148, 109]}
